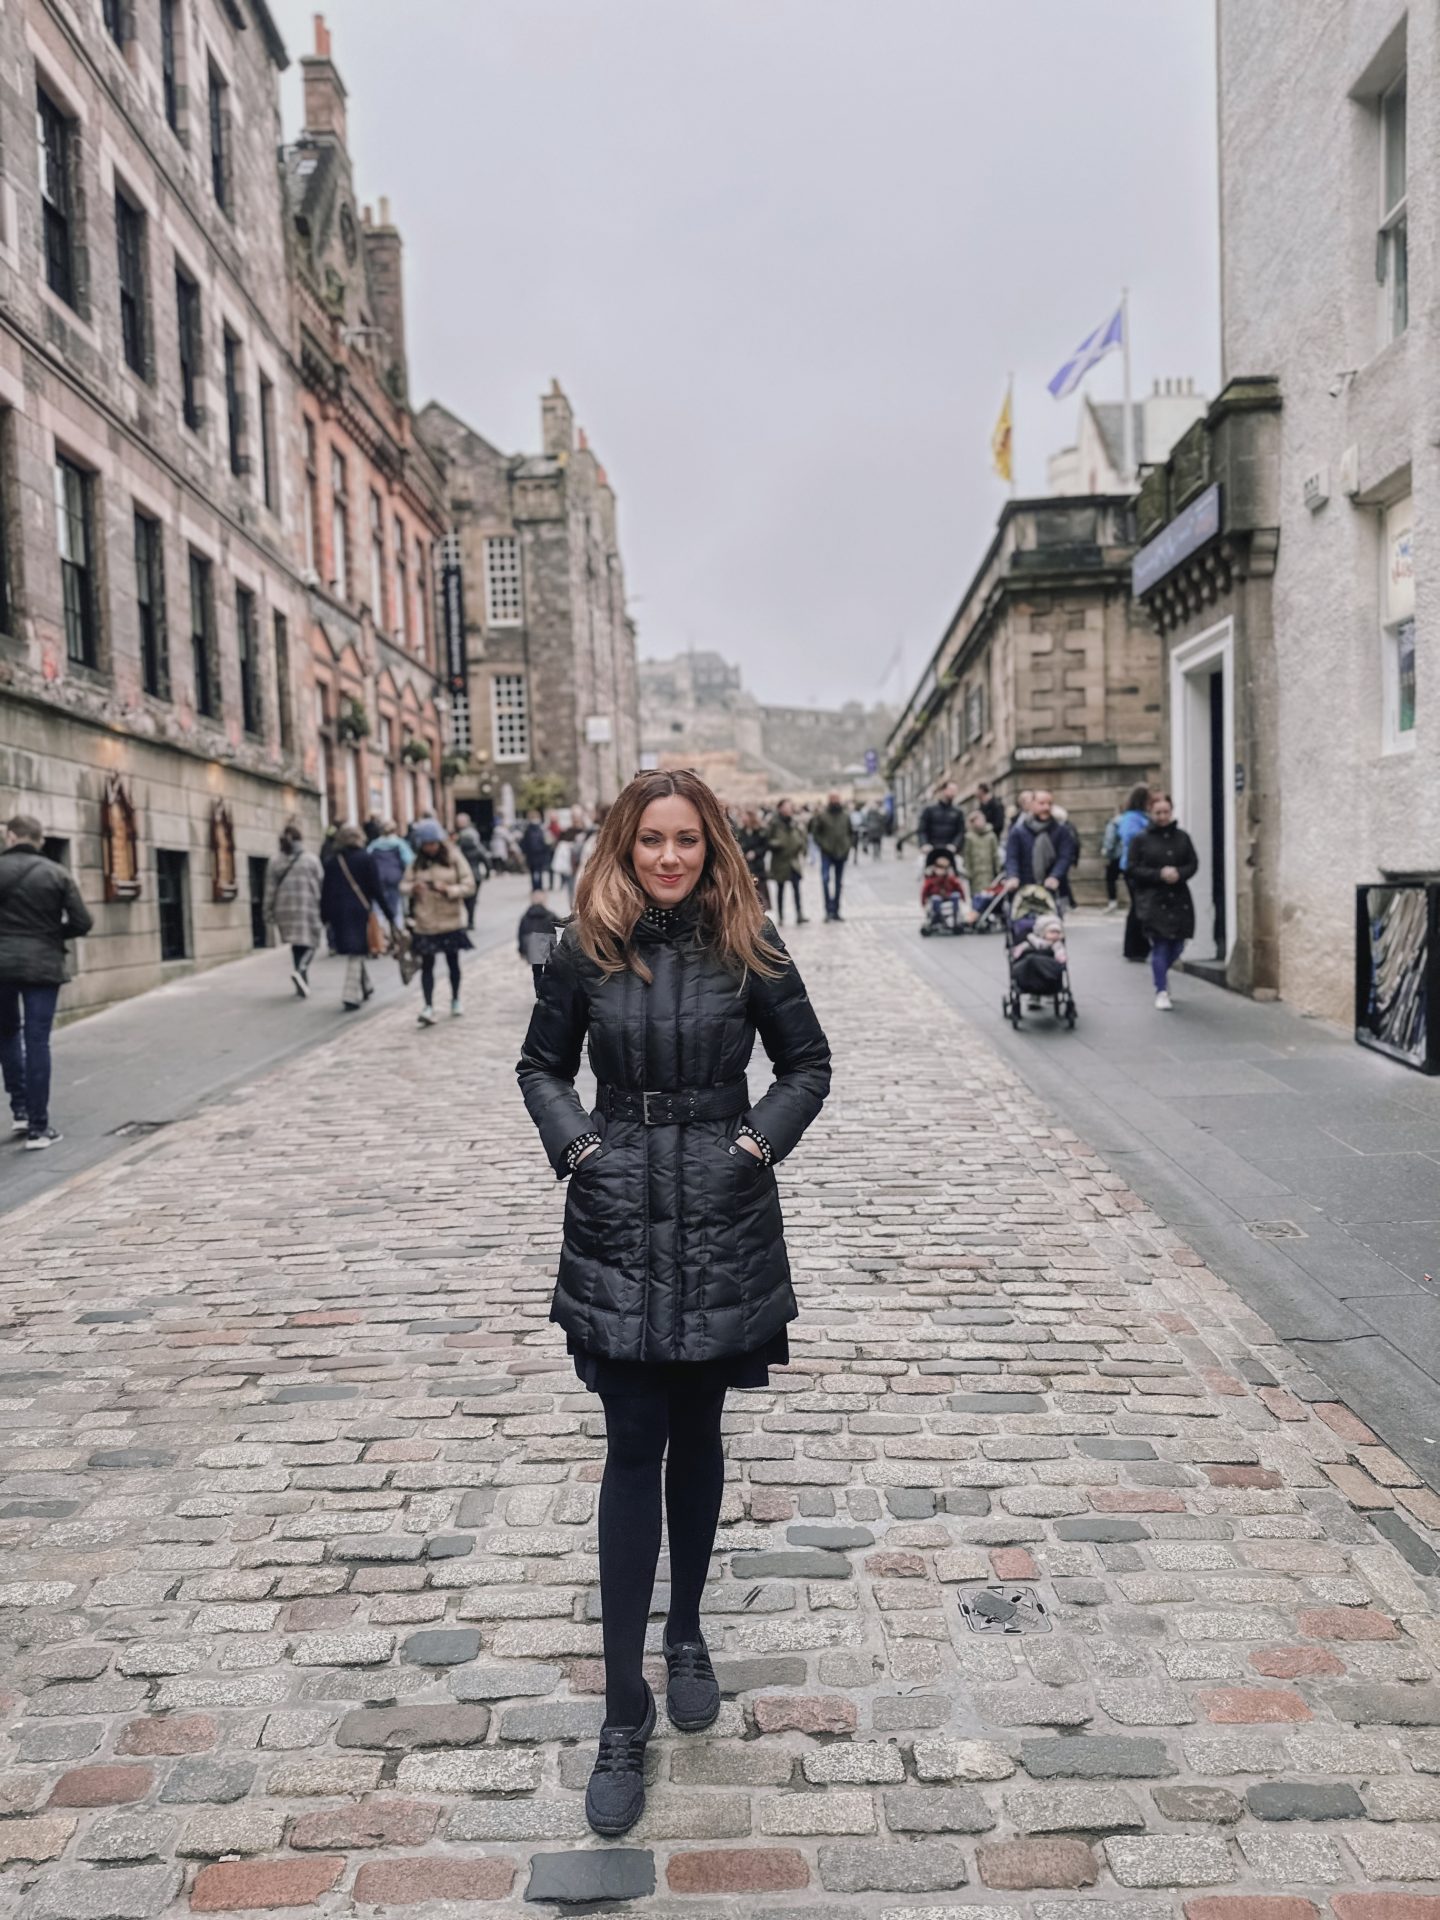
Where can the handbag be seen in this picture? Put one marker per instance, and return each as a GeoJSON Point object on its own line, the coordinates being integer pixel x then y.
{"type": "Point", "coordinates": [406, 957]}
{"type": "Point", "coordinates": [377, 938]}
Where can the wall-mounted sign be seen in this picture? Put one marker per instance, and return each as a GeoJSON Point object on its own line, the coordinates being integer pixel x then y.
{"type": "Point", "coordinates": [119, 848]}
{"type": "Point", "coordinates": [1185, 534]}
{"type": "Point", "coordinates": [224, 885]}
{"type": "Point", "coordinates": [1317, 488]}
{"type": "Point", "coordinates": [598, 730]}
{"type": "Point", "coordinates": [1070, 752]}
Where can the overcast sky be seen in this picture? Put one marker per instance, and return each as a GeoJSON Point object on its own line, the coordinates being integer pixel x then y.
{"type": "Point", "coordinates": [782, 255]}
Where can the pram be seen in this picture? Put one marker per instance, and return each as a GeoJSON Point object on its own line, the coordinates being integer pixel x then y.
{"type": "Point", "coordinates": [944, 894]}
{"type": "Point", "coordinates": [1033, 975]}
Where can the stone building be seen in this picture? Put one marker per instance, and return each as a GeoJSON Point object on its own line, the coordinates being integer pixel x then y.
{"type": "Point", "coordinates": [371, 503]}
{"type": "Point", "coordinates": [1328, 119]}
{"type": "Point", "coordinates": [1096, 462]}
{"type": "Point", "coordinates": [1048, 674]}
{"type": "Point", "coordinates": [151, 618]}
{"type": "Point", "coordinates": [695, 711]}
{"type": "Point", "coordinates": [549, 643]}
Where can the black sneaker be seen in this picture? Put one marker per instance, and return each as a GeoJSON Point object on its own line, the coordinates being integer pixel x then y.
{"type": "Point", "coordinates": [38, 1139]}
{"type": "Point", "coordinates": [692, 1693]}
{"type": "Point", "coordinates": [615, 1797]}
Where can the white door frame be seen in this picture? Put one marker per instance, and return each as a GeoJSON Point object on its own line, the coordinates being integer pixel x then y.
{"type": "Point", "coordinates": [1206, 651]}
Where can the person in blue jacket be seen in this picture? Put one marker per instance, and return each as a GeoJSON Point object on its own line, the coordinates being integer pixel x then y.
{"type": "Point", "coordinates": [1131, 824]}
{"type": "Point", "coordinates": [1041, 850]}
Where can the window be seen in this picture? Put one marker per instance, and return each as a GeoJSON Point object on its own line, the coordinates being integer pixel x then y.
{"type": "Point", "coordinates": [150, 603]}
{"type": "Point", "coordinates": [502, 581]}
{"type": "Point", "coordinates": [57, 193]}
{"type": "Point", "coordinates": [421, 636]}
{"type": "Point", "coordinates": [377, 563]}
{"type": "Point", "coordinates": [247, 642]}
{"type": "Point", "coordinates": [220, 140]}
{"type": "Point", "coordinates": [130, 248]}
{"type": "Point", "coordinates": [975, 712]}
{"type": "Point", "coordinates": [114, 14]}
{"type": "Point", "coordinates": [202, 637]}
{"type": "Point", "coordinates": [402, 584]}
{"type": "Point", "coordinates": [172, 886]}
{"type": "Point", "coordinates": [7, 606]}
{"type": "Point", "coordinates": [1398, 637]}
{"type": "Point", "coordinates": [75, 528]}
{"type": "Point", "coordinates": [187, 315]}
{"type": "Point", "coordinates": [269, 475]}
{"type": "Point", "coordinates": [235, 405]}
{"type": "Point", "coordinates": [284, 693]}
{"type": "Point", "coordinates": [169, 63]}
{"type": "Point", "coordinates": [339, 528]}
{"type": "Point", "coordinates": [511, 725]}
{"type": "Point", "coordinates": [312, 501]}
{"type": "Point", "coordinates": [1392, 253]}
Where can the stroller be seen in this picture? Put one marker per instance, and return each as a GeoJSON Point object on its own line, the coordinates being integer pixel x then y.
{"type": "Point", "coordinates": [944, 897]}
{"type": "Point", "coordinates": [1034, 973]}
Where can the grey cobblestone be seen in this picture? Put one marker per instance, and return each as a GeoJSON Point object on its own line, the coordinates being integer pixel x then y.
{"type": "Point", "coordinates": [374, 1573]}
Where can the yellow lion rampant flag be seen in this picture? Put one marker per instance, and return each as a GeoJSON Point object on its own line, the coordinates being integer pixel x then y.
{"type": "Point", "coordinates": [1002, 440]}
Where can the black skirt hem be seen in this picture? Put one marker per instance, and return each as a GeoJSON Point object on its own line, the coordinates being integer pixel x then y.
{"type": "Point", "coordinates": [738, 1370]}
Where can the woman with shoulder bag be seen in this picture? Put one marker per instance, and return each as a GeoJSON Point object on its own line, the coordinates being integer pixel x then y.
{"type": "Point", "coordinates": [292, 904]}
{"type": "Point", "coordinates": [435, 889]}
{"type": "Point", "coordinates": [350, 897]}
{"type": "Point", "coordinates": [674, 1284]}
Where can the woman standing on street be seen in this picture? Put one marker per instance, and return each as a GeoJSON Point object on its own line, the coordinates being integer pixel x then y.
{"type": "Point", "coordinates": [674, 1283]}
{"type": "Point", "coordinates": [436, 889]}
{"type": "Point", "coordinates": [788, 842]}
{"type": "Point", "coordinates": [292, 904]}
{"type": "Point", "coordinates": [350, 893]}
{"type": "Point", "coordinates": [1160, 862]}
{"type": "Point", "coordinates": [1129, 824]}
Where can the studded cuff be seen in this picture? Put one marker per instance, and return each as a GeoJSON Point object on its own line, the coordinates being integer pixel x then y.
{"type": "Point", "coordinates": [766, 1154]}
{"type": "Point", "coordinates": [578, 1148]}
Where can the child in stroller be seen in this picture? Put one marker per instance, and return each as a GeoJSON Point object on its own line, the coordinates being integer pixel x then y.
{"type": "Point", "coordinates": [942, 895]}
{"type": "Point", "coordinates": [1039, 963]}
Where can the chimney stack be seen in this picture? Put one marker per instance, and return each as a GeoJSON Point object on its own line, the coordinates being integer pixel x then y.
{"type": "Point", "coordinates": [324, 89]}
{"type": "Point", "coordinates": [387, 285]}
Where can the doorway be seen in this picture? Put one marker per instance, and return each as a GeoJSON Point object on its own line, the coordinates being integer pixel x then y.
{"type": "Point", "coordinates": [1205, 774]}
{"type": "Point", "coordinates": [259, 932]}
{"type": "Point", "coordinates": [172, 891]}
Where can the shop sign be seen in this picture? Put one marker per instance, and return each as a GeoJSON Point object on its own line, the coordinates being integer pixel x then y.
{"type": "Point", "coordinates": [1191, 528]}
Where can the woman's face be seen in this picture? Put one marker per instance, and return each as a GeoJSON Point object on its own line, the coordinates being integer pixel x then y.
{"type": "Point", "coordinates": [669, 850]}
{"type": "Point", "coordinates": [1161, 812]}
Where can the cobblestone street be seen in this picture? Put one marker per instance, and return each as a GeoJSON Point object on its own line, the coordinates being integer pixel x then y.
{"type": "Point", "coordinates": [297, 1489]}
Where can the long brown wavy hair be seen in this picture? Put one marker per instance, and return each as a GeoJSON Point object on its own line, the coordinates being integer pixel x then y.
{"type": "Point", "coordinates": [609, 899]}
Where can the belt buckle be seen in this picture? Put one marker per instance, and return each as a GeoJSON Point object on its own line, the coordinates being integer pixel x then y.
{"type": "Point", "coordinates": [645, 1099]}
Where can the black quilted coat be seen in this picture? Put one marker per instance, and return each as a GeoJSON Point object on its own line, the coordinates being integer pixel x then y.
{"type": "Point", "coordinates": [674, 1246]}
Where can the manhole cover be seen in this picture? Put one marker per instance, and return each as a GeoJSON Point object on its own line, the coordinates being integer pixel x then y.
{"type": "Point", "coordinates": [1005, 1610]}
{"type": "Point", "coordinates": [129, 1127]}
{"type": "Point", "coordinates": [1275, 1230]}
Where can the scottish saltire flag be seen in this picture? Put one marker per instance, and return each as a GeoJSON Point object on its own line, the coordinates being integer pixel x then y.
{"type": "Point", "coordinates": [1091, 351]}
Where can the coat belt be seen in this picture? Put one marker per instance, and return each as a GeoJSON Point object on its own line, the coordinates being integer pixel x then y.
{"type": "Point", "coordinates": [676, 1106]}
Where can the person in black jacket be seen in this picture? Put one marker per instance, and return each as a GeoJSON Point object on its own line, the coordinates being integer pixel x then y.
{"type": "Point", "coordinates": [992, 806]}
{"type": "Point", "coordinates": [754, 838]}
{"type": "Point", "coordinates": [40, 909]}
{"type": "Point", "coordinates": [349, 893]}
{"type": "Point", "coordinates": [674, 1283]}
{"type": "Point", "coordinates": [942, 824]}
{"type": "Point", "coordinates": [1160, 864]}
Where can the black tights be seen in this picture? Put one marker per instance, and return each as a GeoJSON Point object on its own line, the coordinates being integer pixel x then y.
{"type": "Point", "coordinates": [427, 975]}
{"type": "Point", "coordinates": [637, 1428]}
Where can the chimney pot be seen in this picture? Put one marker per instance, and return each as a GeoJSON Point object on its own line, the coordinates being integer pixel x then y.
{"type": "Point", "coordinates": [322, 37]}
{"type": "Point", "coordinates": [384, 210]}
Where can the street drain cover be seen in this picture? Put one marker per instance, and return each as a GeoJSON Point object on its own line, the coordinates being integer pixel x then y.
{"type": "Point", "coordinates": [1005, 1610]}
{"type": "Point", "coordinates": [1276, 1230]}
{"type": "Point", "coordinates": [128, 1127]}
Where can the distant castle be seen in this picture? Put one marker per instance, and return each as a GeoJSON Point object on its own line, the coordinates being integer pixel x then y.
{"type": "Point", "coordinates": [695, 712]}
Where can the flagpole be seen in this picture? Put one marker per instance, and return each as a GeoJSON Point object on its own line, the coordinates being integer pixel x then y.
{"type": "Point", "coordinates": [1128, 419]}
{"type": "Point", "coordinates": [1010, 404]}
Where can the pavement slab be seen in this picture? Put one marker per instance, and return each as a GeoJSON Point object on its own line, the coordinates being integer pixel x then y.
{"type": "Point", "coordinates": [297, 1522]}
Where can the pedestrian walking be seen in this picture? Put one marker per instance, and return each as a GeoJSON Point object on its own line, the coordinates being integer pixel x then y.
{"type": "Point", "coordinates": [1041, 849]}
{"type": "Point", "coordinates": [834, 834]}
{"type": "Point", "coordinates": [349, 899]}
{"type": "Point", "coordinates": [787, 841]}
{"type": "Point", "coordinates": [942, 824]}
{"type": "Point", "coordinates": [562, 866]}
{"type": "Point", "coordinates": [754, 838]}
{"type": "Point", "coordinates": [982, 854]}
{"type": "Point", "coordinates": [873, 831]}
{"type": "Point", "coordinates": [538, 927]}
{"type": "Point", "coordinates": [1162, 861]}
{"type": "Point", "coordinates": [535, 850]}
{"type": "Point", "coordinates": [40, 912]}
{"type": "Point", "coordinates": [1130, 823]}
{"type": "Point", "coordinates": [992, 806]}
{"type": "Point", "coordinates": [674, 1284]}
{"type": "Point", "coordinates": [291, 904]}
{"type": "Point", "coordinates": [471, 849]}
{"type": "Point", "coordinates": [436, 889]}
{"type": "Point", "coordinates": [392, 854]}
